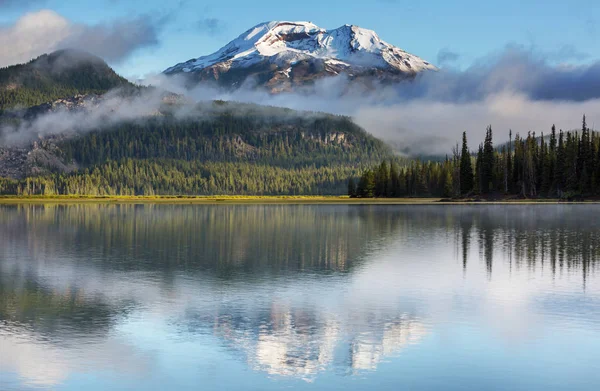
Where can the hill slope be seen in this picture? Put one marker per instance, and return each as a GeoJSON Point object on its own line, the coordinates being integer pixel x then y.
{"type": "Point", "coordinates": [263, 151]}
{"type": "Point", "coordinates": [284, 55]}
{"type": "Point", "coordinates": [57, 75]}
{"type": "Point", "coordinates": [147, 141]}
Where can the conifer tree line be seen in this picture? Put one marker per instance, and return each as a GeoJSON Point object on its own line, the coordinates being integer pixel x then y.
{"type": "Point", "coordinates": [219, 155]}
{"type": "Point", "coordinates": [131, 177]}
{"type": "Point", "coordinates": [559, 165]}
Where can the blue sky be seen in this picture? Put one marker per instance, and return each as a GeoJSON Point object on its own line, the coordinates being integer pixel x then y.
{"type": "Point", "coordinates": [565, 32]}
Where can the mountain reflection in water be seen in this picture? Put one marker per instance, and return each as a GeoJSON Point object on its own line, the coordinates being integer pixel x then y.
{"type": "Point", "coordinates": [292, 292]}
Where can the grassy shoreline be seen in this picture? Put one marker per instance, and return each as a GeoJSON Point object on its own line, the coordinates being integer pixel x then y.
{"type": "Point", "coordinates": [214, 200]}
{"type": "Point", "coordinates": [342, 200]}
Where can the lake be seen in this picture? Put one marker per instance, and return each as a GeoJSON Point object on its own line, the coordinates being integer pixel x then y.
{"type": "Point", "coordinates": [306, 297]}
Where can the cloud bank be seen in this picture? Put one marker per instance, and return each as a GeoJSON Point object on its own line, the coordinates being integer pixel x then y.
{"type": "Point", "coordinates": [95, 113]}
{"type": "Point", "coordinates": [514, 69]}
{"type": "Point", "coordinates": [515, 88]}
{"type": "Point", "coordinates": [45, 31]}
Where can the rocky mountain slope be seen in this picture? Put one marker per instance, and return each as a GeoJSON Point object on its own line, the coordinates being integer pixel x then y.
{"type": "Point", "coordinates": [283, 55]}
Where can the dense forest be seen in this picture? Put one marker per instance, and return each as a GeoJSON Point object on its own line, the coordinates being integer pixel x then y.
{"type": "Point", "coordinates": [177, 177]}
{"type": "Point", "coordinates": [272, 137]}
{"type": "Point", "coordinates": [261, 151]}
{"type": "Point", "coordinates": [53, 76]}
{"type": "Point", "coordinates": [562, 165]}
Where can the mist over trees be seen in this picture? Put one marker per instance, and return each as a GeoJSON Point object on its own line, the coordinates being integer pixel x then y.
{"type": "Point", "coordinates": [53, 76]}
{"type": "Point", "coordinates": [559, 165]}
{"type": "Point", "coordinates": [222, 154]}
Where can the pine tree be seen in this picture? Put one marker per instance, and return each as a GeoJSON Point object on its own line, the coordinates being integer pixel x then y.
{"type": "Point", "coordinates": [394, 186]}
{"type": "Point", "coordinates": [585, 159]}
{"type": "Point", "coordinates": [370, 184]}
{"type": "Point", "coordinates": [596, 188]}
{"type": "Point", "coordinates": [559, 172]}
{"type": "Point", "coordinates": [518, 166]}
{"type": "Point", "coordinates": [381, 180]}
{"type": "Point", "coordinates": [505, 171]}
{"type": "Point", "coordinates": [448, 187]}
{"type": "Point", "coordinates": [362, 185]}
{"type": "Point", "coordinates": [479, 169]}
{"type": "Point", "coordinates": [422, 188]}
{"type": "Point", "coordinates": [366, 185]}
{"type": "Point", "coordinates": [487, 161]}
{"type": "Point", "coordinates": [402, 189]}
{"type": "Point", "coordinates": [529, 166]}
{"type": "Point", "coordinates": [351, 188]}
{"type": "Point", "coordinates": [551, 162]}
{"type": "Point", "coordinates": [466, 169]}
{"type": "Point", "coordinates": [543, 182]}
{"type": "Point", "coordinates": [510, 185]}
{"type": "Point", "coordinates": [571, 163]}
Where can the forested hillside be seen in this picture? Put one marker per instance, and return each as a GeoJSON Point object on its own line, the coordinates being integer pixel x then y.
{"type": "Point", "coordinates": [259, 151]}
{"type": "Point", "coordinates": [277, 139]}
{"type": "Point", "coordinates": [175, 148]}
{"type": "Point", "coordinates": [57, 75]}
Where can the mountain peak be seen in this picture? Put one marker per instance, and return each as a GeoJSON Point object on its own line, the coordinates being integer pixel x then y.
{"type": "Point", "coordinates": [65, 59]}
{"type": "Point", "coordinates": [279, 46]}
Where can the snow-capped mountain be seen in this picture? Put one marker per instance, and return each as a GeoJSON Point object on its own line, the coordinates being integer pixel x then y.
{"type": "Point", "coordinates": [282, 55]}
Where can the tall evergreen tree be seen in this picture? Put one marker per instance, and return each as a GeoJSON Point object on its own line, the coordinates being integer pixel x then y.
{"type": "Point", "coordinates": [542, 167]}
{"type": "Point", "coordinates": [466, 169]}
{"type": "Point", "coordinates": [382, 180]}
{"type": "Point", "coordinates": [487, 161]}
{"type": "Point", "coordinates": [551, 163]}
{"type": "Point", "coordinates": [559, 172]}
{"type": "Point", "coordinates": [510, 186]}
{"type": "Point", "coordinates": [479, 170]}
{"type": "Point", "coordinates": [366, 185]}
{"type": "Point", "coordinates": [585, 159]}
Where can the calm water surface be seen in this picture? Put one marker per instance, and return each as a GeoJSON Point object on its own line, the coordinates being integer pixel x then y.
{"type": "Point", "coordinates": [163, 297]}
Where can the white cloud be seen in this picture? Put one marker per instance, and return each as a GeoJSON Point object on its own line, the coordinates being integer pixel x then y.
{"type": "Point", "coordinates": [32, 35]}
{"type": "Point", "coordinates": [433, 127]}
{"type": "Point", "coordinates": [44, 31]}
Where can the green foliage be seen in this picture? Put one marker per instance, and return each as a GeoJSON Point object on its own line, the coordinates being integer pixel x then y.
{"type": "Point", "coordinates": [466, 169]}
{"type": "Point", "coordinates": [487, 161]}
{"type": "Point", "coordinates": [530, 167]}
{"type": "Point", "coordinates": [239, 149]}
{"type": "Point", "coordinates": [176, 177]}
{"type": "Point", "coordinates": [366, 185]}
{"type": "Point", "coordinates": [224, 153]}
{"type": "Point", "coordinates": [404, 178]}
{"type": "Point", "coordinates": [294, 142]}
{"type": "Point", "coordinates": [54, 76]}
{"type": "Point", "coordinates": [351, 188]}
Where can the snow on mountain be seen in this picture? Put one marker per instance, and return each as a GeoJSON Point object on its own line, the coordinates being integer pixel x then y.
{"type": "Point", "coordinates": [275, 49]}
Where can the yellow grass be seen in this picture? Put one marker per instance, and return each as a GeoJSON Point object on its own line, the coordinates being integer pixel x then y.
{"type": "Point", "coordinates": [214, 200]}
{"type": "Point", "coordinates": [253, 200]}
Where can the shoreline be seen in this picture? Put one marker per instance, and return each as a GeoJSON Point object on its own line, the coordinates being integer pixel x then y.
{"type": "Point", "coordinates": [291, 200]}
